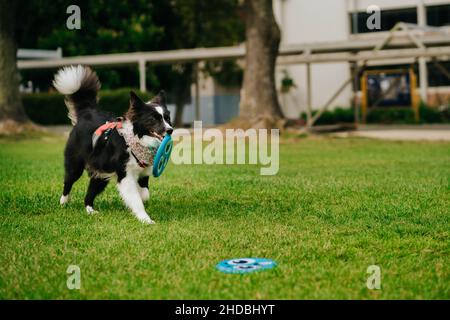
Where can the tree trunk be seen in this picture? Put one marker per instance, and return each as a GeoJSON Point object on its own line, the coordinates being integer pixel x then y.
{"type": "Point", "coordinates": [182, 90]}
{"type": "Point", "coordinates": [12, 114]}
{"type": "Point", "coordinates": [179, 104]}
{"type": "Point", "coordinates": [259, 107]}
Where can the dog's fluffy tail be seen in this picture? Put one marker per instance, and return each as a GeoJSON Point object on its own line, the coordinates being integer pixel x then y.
{"type": "Point", "coordinates": [80, 86]}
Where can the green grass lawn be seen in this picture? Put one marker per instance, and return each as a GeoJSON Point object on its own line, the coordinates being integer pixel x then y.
{"type": "Point", "coordinates": [336, 207]}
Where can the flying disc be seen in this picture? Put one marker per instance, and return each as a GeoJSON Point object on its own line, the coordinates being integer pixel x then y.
{"type": "Point", "coordinates": [162, 156]}
{"type": "Point", "coordinates": [245, 265]}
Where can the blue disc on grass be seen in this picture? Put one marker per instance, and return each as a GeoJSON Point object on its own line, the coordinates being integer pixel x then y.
{"type": "Point", "coordinates": [245, 265]}
{"type": "Point", "coordinates": [162, 155]}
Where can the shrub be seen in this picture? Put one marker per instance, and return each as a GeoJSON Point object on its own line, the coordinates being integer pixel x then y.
{"type": "Point", "coordinates": [338, 115]}
{"type": "Point", "coordinates": [434, 115]}
{"type": "Point", "coordinates": [49, 108]}
{"type": "Point", "coordinates": [391, 116]}
{"type": "Point", "coordinates": [384, 116]}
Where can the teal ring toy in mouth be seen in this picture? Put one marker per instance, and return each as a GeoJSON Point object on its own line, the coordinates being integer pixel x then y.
{"type": "Point", "coordinates": [162, 156]}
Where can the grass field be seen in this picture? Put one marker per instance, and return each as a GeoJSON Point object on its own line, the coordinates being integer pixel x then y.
{"type": "Point", "coordinates": [335, 207]}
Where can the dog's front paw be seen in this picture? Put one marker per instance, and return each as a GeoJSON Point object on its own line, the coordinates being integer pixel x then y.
{"type": "Point", "coordinates": [64, 199]}
{"type": "Point", "coordinates": [90, 210]}
{"type": "Point", "coordinates": [145, 219]}
{"type": "Point", "coordinates": [144, 193]}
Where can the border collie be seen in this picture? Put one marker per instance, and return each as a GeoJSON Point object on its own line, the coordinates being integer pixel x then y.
{"type": "Point", "coordinates": [107, 146]}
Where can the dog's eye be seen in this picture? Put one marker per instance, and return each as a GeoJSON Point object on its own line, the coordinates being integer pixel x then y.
{"type": "Point", "coordinates": [159, 117]}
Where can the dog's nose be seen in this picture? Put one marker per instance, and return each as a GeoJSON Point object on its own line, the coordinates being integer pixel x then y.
{"type": "Point", "coordinates": [169, 131]}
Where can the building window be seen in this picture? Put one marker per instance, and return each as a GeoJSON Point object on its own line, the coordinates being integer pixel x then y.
{"type": "Point", "coordinates": [388, 19]}
{"type": "Point", "coordinates": [438, 16]}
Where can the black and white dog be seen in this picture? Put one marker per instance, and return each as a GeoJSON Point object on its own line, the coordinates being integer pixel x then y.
{"type": "Point", "coordinates": [113, 150]}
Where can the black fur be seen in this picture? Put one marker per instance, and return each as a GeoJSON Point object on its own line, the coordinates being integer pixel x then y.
{"type": "Point", "coordinates": [109, 155]}
{"type": "Point", "coordinates": [144, 115]}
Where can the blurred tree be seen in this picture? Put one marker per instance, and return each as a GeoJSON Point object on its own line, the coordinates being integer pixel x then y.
{"type": "Point", "coordinates": [125, 26]}
{"type": "Point", "coordinates": [12, 114]}
{"type": "Point", "coordinates": [106, 27]}
{"type": "Point", "coordinates": [259, 105]}
{"type": "Point", "coordinates": [193, 24]}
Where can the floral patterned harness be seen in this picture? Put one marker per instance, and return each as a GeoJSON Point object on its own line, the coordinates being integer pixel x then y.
{"type": "Point", "coordinates": [143, 154]}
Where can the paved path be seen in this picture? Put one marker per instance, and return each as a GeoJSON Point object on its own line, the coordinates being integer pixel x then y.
{"type": "Point", "coordinates": [406, 132]}
{"type": "Point", "coordinates": [416, 135]}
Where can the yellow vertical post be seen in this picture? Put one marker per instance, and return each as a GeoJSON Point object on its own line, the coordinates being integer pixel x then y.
{"type": "Point", "coordinates": [414, 95]}
{"type": "Point", "coordinates": [364, 97]}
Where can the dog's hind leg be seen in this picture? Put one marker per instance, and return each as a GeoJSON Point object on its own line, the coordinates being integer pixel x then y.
{"type": "Point", "coordinates": [143, 188]}
{"type": "Point", "coordinates": [96, 186]}
{"type": "Point", "coordinates": [73, 172]}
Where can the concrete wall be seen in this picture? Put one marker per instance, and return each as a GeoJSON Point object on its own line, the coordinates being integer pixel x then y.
{"type": "Point", "coordinates": [303, 21]}
{"type": "Point", "coordinates": [218, 104]}
{"type": "Point", "coordinates": [214, 109]}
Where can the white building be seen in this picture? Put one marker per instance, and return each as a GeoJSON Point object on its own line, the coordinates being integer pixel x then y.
{"type": "Point", "coordinates": [303, 21]}
{"type": "Point", "coordinates": [306, 22]}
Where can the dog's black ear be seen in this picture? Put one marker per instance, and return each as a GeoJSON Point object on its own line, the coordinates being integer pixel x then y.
{"type": "Point", "coordinates": [160, 98]}
{"type": "Point", "coordinates": [135, 101]}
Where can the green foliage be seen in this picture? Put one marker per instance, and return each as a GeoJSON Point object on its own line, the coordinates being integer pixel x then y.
{"type": "Point", "coordinates": [287, 83]}
{"type": "Point", "coordinates": [207, 24]}
{"type": "Point", "coordinates": [128, 26]}
{"type": "Point", "coordinates": [202, 23]}
{"type": "Point", "coordinates": [106, 27]}
{"type": "Point", "coordinates": [391, 115]}
{"type": "Point", "coordinates": [49, 108]}
{"type": "Point", "coordinates": [384, 116]}
{"type": "Point", "coordinates": [227, 73]}
{"type": "Point", "coordinates": [406, 115]}
{"type": "Point", "coordinates": [45, 108]}
{"type": "Point", "coordinates": [336, 207]}
{"type": "Point", "coordinates": [338, 115]}
{"type": "Point", "coordinates": [434, 115]}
